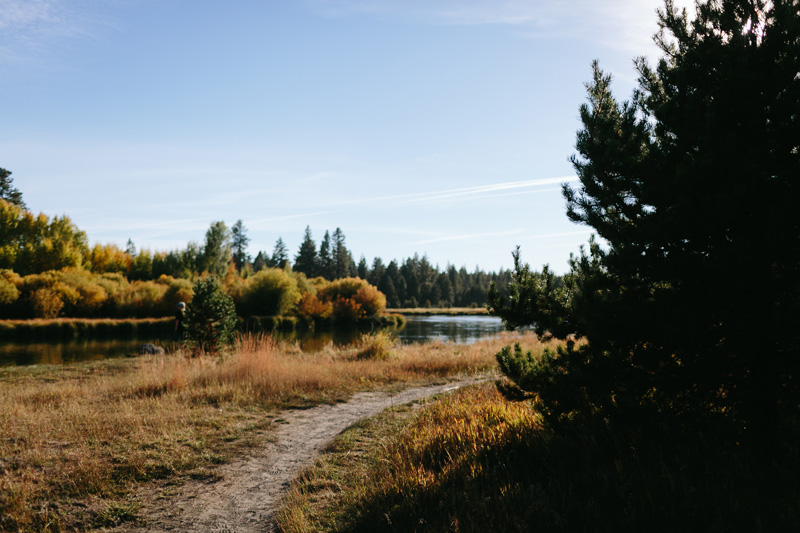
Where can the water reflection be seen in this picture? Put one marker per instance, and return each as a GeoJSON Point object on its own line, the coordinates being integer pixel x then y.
{"type": "Point", "coordinates": [460, 329]}
{"type": "Point", "coordinates": [53, 353]}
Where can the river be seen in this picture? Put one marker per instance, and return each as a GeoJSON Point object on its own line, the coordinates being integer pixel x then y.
{"type": "Point", "coordinates": [460, 329]}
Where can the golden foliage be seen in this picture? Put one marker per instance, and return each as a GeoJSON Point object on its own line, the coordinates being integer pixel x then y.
{"type": "Point", "coordinates": [311, 307]}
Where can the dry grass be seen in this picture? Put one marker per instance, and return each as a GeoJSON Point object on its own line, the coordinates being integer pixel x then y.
{"type": "Point", "coordinates": [74, 439]}
{"type": "Point", "coordinates": [474, 462]}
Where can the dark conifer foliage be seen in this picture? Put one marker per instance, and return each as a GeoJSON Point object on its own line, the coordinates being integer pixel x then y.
{"type": "Point", "coordinates": [211, 316]}
{"type": "Point", "coordinates": [341, 259]}
{"type": "Point", "coordinates": [239, 242]}
{"type": "Point", "coordinates": [306, 259]}
{"type": "Point", "coordinates": [8, 192]}
{"type": "Point", "coordinates": [261, 261]}
{"type": "Point", "coordinates": [325, 263]}
{"type": "Point", "coordinates": [280, 255]}
{"type": "Point", "coordinates": [692, 305]}
{"type": "Point", "coordinates": [362, 269]}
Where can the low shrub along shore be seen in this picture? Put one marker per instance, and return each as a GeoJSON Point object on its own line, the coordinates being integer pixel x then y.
{"type": "Point", "coordinates": [98, 328]}
{"type": "Point", "coordinates": [83, 328]}
{"type": "Point", "coordinates": [78, 438]}
{"type": "Point", "coordinates": [444, 311]}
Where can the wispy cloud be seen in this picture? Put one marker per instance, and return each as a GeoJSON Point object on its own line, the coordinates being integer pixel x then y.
{"type": "Point", "coordinates": [483, 190]}
{"type": "Point", "coordinates": [468, 237]}
{"type": "Point", "coordinates": [559, 234]}
{"type": "Point", "coordinates": [32, 30]}
{"type": "Point", "coordinates": [621, 24]}
{"type": "Point", "coordinates": [265, 222]}
{"type": "Point", "coordinates": [460, 193]}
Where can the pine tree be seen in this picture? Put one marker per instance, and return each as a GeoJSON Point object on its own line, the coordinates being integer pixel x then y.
{"type": "Point", "coordinates": [691, 303]}
{"type": "Point", "coordinates": [325, 263]}
{"type": "Point", "coordinates": [362, 269]}
{"type": "Point", "coordinates": [377, 273]}
{"type": "Point", "coordinates": [341, 258]}
{"type": "Point", "coordinates": [261, 261]}
{"type": "Point", "coordinates": [280, 254]}
{"type": "Point", "coordinates": [239, 244]}
{"type": "Point", "coordinates": [211, 317]}
{"type": "Point", "coordinates": [399, 285]}
{"type": "Point", "coordinates": [8, 192]}
{"type": "Point", "coordinates": [130, 248]}
{"type": "Point", "coordinates": [306, 259]}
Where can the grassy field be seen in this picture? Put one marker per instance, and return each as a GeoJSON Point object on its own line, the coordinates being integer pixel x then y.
{"type": "Point", "coordinates": [474, 462]}
{"type": "Point", "coordinates": [77, 438]}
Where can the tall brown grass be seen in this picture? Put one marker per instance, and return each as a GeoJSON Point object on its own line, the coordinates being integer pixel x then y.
{"type": "Point", "coordinates": [474, 462]}
{"type": "Point", "coordinates": [75, 439]}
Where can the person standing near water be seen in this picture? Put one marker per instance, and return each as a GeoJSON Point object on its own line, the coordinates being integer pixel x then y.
{"type": "Point", "coordinates": [180, 319]}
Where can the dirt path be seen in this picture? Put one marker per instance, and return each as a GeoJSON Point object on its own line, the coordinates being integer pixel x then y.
{"type": "Point", "coordinates": [244, 497]}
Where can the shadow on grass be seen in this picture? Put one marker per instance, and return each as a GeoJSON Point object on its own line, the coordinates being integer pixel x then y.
{"type": "Point", "coordinates": [590, 478]}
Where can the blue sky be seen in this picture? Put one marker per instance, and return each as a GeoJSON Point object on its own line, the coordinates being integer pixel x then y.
{"type": "Point", "coordinates": [436, 127]}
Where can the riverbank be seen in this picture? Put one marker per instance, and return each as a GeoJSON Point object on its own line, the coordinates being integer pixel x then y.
{"type": "Point", "coordinates": [436, 311]}
{"type": "Point", "coordinates": [65, 329]}
{"type": "Point", "coordinates": [83, 328]}
{"type": "Point", "coordinates": [79, 438]}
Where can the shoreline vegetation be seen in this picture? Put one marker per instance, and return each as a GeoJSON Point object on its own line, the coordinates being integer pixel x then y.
{"type": "Point", "coordinates": [82, 328]}
{"type": "Point", "coordinates": [79, 438]}
{"type": "Point", "coordinates": [100, 328]}
{"type": "Point", "coordinates": [440, 311]}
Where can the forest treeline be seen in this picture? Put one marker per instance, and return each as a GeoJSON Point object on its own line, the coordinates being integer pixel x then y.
{"type": "Point", "coordinates": [48, 269]}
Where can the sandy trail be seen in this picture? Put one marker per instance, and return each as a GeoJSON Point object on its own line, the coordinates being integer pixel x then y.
{"type": "Point", "coordinates": [245, 496]}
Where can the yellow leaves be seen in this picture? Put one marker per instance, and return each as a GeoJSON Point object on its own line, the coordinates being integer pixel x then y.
{"type": "Point", "coordinates": [310, 306]}
{"type": "Point", "coordinates": [109, 258]}
{"type": "Point", "coordinates": [352, 298]}
{"type": "Point", "coordinates": [456, 432]}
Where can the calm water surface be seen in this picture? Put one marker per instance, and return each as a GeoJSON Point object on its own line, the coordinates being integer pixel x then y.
{"type": "Point", "coordinates": [460, 329]}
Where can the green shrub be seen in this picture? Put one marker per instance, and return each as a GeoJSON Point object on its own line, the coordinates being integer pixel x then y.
{"type": "Point", "coordinates": [211, 317]}
{"type": "Point", "coordinates": [269, 292]}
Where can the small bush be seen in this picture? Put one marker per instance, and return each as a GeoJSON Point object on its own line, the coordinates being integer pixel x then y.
{"type": "Point", "coordinates": [8, 291]}
{"type": "Point", "coordinates": [269, 292]}
{"type": "Point", "coordinates": [353, 298]}
{"type": "Point", "coordinates": [311, 307]}
{"type": "Point", "coordinates": [46, 303]}
{"type": "Point", "coordinates": [347, 309]}
{"type": "Point", "coordinates": [141, 299]}
{"type": "Point", "coordinates": [375, 346]}
{"type": "Point", "coordinates": [211, 317]}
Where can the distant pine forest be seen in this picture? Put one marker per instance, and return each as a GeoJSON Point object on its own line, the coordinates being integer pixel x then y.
{"type": "Point", "coordinates": [48, 270]}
